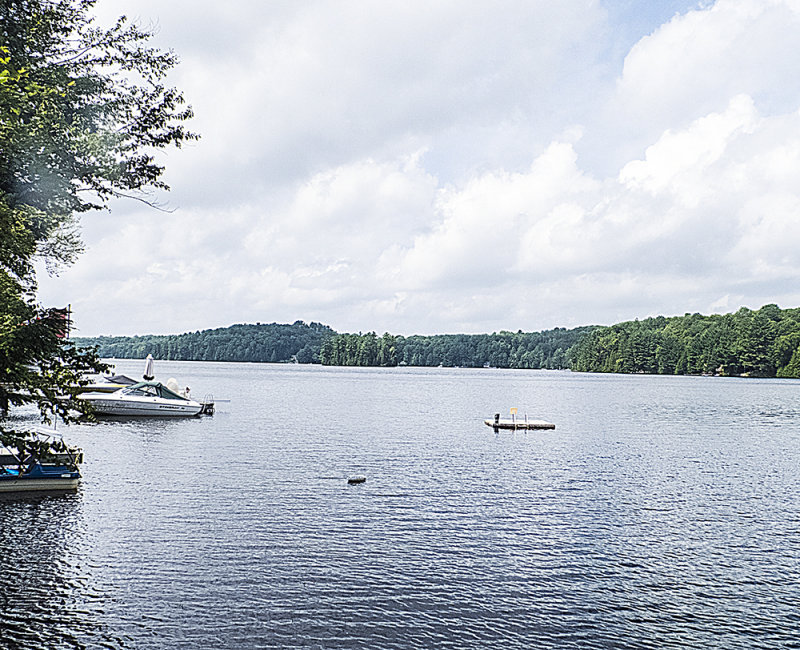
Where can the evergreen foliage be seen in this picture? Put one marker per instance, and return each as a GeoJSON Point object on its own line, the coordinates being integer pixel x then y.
{"type": "Point", "coordinates": [257, 343]}
{"type": "Point", "coordinates": [82, 109]}
{"type": "Point", "coordinates": [549, 349]}
{"type": "Point", "coordinates": [761, 343]}
{"type": "Point", "coordinates": [360, 350]}
{"type": "Point", "coordinates": [317, 343]}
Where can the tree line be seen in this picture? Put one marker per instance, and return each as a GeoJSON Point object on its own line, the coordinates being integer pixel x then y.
{"type": "Point", "coordinates": [317, 343]}
{"type": "Point", "coordinates": [756, 343]}
{"type": "Point", "coordinates": [260, 343]}
{"type": "Point", "coordinates": [548, 349]}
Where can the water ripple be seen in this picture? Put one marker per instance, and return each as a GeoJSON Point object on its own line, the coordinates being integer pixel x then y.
{"type": "Point", "coordinates": [660, 514]}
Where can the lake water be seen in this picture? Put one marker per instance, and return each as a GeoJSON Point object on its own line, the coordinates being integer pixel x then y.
{"type": "Point", "coordinates": [662, 512]}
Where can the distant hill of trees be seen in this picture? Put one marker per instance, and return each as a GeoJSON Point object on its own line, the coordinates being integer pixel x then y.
{"type": "Point", "coordinates": [260, 343]}
{"type": "Point", "coordinates": [760, 343]}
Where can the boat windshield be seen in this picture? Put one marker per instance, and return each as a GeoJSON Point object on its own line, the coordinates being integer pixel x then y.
{"type": "Point", "coordinates": [151, 389]}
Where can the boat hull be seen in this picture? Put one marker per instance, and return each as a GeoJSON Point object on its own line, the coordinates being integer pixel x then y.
{"type": "Point", "coordinates": [39, 478]}
{"type": "Point", "coordinates": [25, 484]}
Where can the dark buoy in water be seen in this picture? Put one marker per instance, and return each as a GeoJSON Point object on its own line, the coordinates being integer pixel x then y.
{"type": "Point", "coordinates": [352, 480]}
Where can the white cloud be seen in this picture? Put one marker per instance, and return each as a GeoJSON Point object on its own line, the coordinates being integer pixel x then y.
{"type": "Point", "coordinates": [692, 66]}
{"type": "Point", "coordinates": [734, 46]}
{"type": "Point", "coordinates": [677, 159]}
{"type": "Point", "coordinates": [715, 202]}
{"type": "Point", "coordinates": [456, 167]}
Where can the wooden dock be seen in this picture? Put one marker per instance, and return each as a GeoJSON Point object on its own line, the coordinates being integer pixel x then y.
{"type": "Point", "coordinates": [515, 423]}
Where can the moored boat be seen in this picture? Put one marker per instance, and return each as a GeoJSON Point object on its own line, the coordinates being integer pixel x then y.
{"type": "Point", "coordinates": [55, 472]}
{"type": "Point", "coordinates": [146, 398]}
{"type": "Point", "coordinates": [38, 477]}
{"type": "Point", "coordinates": [513, 423]}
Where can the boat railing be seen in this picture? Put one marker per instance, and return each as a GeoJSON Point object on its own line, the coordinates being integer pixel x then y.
{"type": "Point", "coordinates": [207, 404]}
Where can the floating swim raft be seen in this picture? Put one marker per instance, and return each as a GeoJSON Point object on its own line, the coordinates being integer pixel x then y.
{"type": "Point", "coordinates": [514, 423]}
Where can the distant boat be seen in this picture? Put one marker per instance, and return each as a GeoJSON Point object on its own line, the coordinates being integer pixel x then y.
{"type": "Point", "coordinates": [513, 423]}
{"type": "Point", "coordinates": [56, 473]}
{"type": "Point", "coordinates": [146, 398]}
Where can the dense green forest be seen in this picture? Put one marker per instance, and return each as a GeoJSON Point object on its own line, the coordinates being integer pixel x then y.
{"type": "Point", "coordinates": [316, 343]}
{"type": "Point", "coordinates": [760, 343]}
{"type": "Point", "coordinates": [260, 343]}
{"type": "Point", "coordinates": [547, 349]}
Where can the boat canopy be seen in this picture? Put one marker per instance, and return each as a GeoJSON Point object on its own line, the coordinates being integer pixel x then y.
{"type": "Point", "coordinates": [152, 389]}
{"type": "Point", "coordinates": [119, 379]}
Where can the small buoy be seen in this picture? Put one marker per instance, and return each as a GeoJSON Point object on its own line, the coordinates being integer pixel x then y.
{"type": "Point", "coordinates": [352, 480]}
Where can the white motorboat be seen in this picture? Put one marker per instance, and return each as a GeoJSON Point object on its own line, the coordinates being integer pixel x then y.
{"type": "Point", "coordinates": [147, 398]}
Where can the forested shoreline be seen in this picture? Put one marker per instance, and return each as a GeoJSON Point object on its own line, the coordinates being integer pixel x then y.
{"type": "Point", "coordinates": [548, 349]}
{"type": "Point", "coordinates": [755, 343]}
{"type": "Point", "coordinates": [317, 343]}
{"type": "Point", "coordinates": [259, 343]}
{"type": "Point", "coordinates": [760, 343]}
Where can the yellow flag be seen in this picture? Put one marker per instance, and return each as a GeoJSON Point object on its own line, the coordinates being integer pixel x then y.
{"type": "Point", "coordinates": [514, 411]}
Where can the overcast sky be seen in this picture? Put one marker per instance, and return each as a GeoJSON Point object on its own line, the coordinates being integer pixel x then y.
{"type": "Point", "coordinates": [462, 166]}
